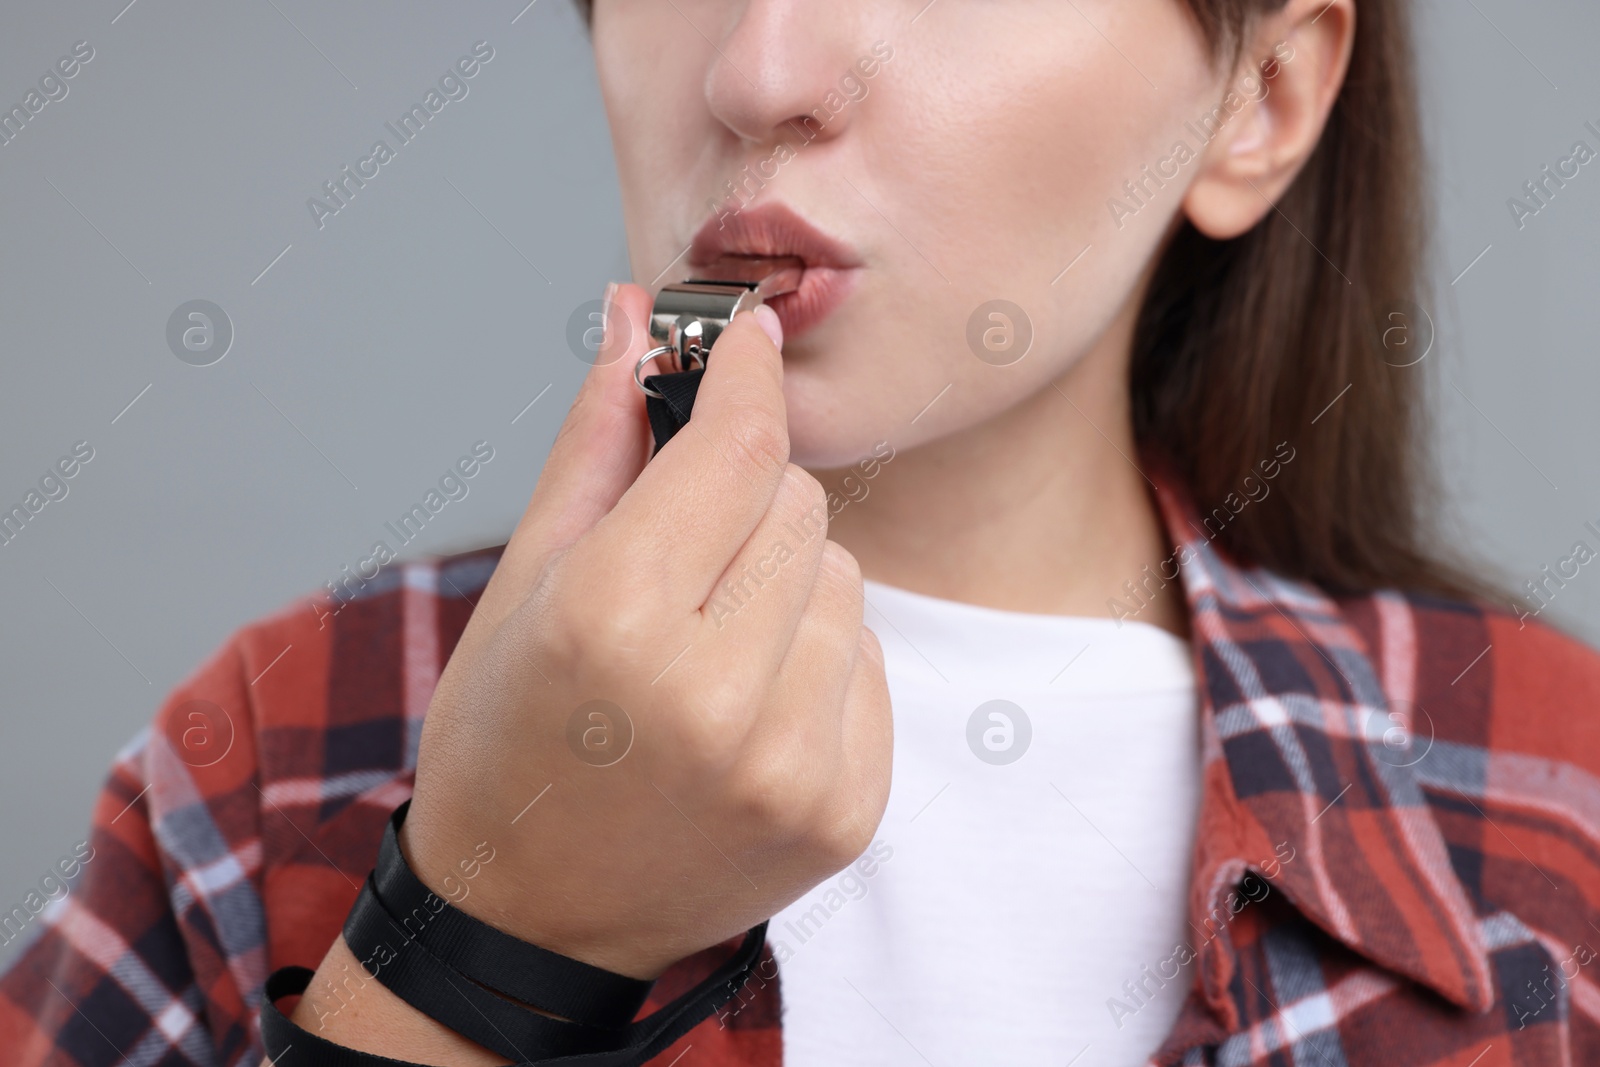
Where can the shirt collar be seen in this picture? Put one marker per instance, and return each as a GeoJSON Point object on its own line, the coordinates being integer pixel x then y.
{"type": "Point", "coordinates": [1301, 761]}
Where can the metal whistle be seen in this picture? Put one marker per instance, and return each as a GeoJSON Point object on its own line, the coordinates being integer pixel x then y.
{"type": "Point", "coordinates": [689, 316]}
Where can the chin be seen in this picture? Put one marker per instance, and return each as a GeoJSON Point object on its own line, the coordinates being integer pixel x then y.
{"type": "Point", "coordinates": [818, 442]}
{"type": "Point", "coordinates": [827, 435]}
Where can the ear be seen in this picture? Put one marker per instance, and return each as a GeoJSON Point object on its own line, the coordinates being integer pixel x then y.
{"type": "Point", "coordinates": [1271, 117]}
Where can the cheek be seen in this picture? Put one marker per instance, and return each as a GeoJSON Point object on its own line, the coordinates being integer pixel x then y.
{"type": "Point", "coordinates": [1010, 170]}
{"type": "Point", "coordinates": [996, 172]}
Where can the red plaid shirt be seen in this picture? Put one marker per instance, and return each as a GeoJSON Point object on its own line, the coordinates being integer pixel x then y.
{"type": "Point", "coordinates": [1435, 768]}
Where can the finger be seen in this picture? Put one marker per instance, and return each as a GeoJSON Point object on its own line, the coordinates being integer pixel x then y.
{"type": "Point", "coordinates": [803, 730]}
{"type": "Point", "coordinates": [598, 452]}
{"type": "Point", "coordinates": [866, 728]}
{"type": "Point", "coordinates": [750, 617]}
{"type": "Point", "coordinates": [819, 658]}
{"type": "Point", "coordinates": [686, 516]}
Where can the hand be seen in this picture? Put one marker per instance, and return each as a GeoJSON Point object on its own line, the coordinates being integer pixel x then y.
{"type": "Point", "coordinates": [698, 595]}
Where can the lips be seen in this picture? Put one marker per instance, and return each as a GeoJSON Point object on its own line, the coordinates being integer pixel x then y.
{"type": "Point", "coordinates": [774, 229]}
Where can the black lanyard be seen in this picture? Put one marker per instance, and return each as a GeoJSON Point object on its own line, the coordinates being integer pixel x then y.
{"type": "Point", "coordinates": [478, 981]}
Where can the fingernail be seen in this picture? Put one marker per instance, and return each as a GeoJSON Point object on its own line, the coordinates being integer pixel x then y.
{"type": "Point", "coordinates": [605, 301]}
{"type": "Point", "coordinates": [770, 324]}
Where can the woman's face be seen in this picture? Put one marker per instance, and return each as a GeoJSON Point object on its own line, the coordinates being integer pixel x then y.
{"type": "Point", "coordinates": [950, 155]}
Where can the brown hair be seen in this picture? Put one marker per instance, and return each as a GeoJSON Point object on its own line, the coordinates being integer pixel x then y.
{"type": "Point", "coordinates": [1278, 336]}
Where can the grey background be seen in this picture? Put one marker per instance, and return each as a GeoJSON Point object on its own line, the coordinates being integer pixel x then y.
{"type": "Point", "coordinates": [430, 311]}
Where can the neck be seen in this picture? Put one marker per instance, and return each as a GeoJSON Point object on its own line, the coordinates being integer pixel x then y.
{"type": "Point", "coordinates": [1039, 509]}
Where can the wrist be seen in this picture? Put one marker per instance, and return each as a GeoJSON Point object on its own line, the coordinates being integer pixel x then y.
{"type": "Point", "coordinates": [451, 865]}
{"type": "Point", "coordinates": [461, 991]}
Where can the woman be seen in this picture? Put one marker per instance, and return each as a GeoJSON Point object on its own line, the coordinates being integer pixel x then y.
{"type": "Point", "coordinates": [1092, 379]}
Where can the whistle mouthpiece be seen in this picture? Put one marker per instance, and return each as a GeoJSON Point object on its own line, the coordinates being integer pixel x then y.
{"type": "Point", "coordinates": [768, 276]}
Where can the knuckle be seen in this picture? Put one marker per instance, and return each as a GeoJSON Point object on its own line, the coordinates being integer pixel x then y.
{"type": "Point", "coordinates": [561, 620]}
{"type": "Point", "coordinates": [809, 490]}
{"type": "Point", "coordinates": [839, 578]}
{"type": "Point", "coordinates": [839, 563]}
{"type": "Point", "coordinates": [759, 435]}
{"type": "Point", "coordinates": [849, 834]}
{"type": "Point", "coordinates": [870, 647]}
{"type": "Point", "coordinates": [803, 499]}
{"type": "Point", "coordinates": [713, 722]}
{"type": "Point", "coordinates": [767, 792]}
{"type": "Point", "coordinates": [609, 625]}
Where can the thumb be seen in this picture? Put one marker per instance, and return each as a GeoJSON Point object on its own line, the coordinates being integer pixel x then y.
{"type": "Point", "coordinates": [598, 452]}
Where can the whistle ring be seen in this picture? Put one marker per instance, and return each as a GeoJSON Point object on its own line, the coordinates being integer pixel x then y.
{"type": "Point", "coordinates": [660, 350]}
{"type": "Point", "coordinates": [638, 369]}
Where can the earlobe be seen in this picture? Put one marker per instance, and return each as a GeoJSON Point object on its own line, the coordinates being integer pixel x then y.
{"type": "Point", "coordinates": [1296, 63]}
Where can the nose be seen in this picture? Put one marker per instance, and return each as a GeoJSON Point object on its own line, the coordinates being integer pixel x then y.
{"type": "Point", "coordinates": [777, 74]}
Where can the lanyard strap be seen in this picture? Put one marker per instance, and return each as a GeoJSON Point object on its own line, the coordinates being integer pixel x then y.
{"type": "Point", "coordinates": [558, 984]}
{"type": "Point", "coordinates": [669, 412]}
{"type": "Point", "coordinates": [450, 967]}
{"type": "Point", "coordinates": [414, 974]}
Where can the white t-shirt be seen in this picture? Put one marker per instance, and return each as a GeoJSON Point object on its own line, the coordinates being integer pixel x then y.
{"type": "Point", "coordinates": [1032, 863]}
